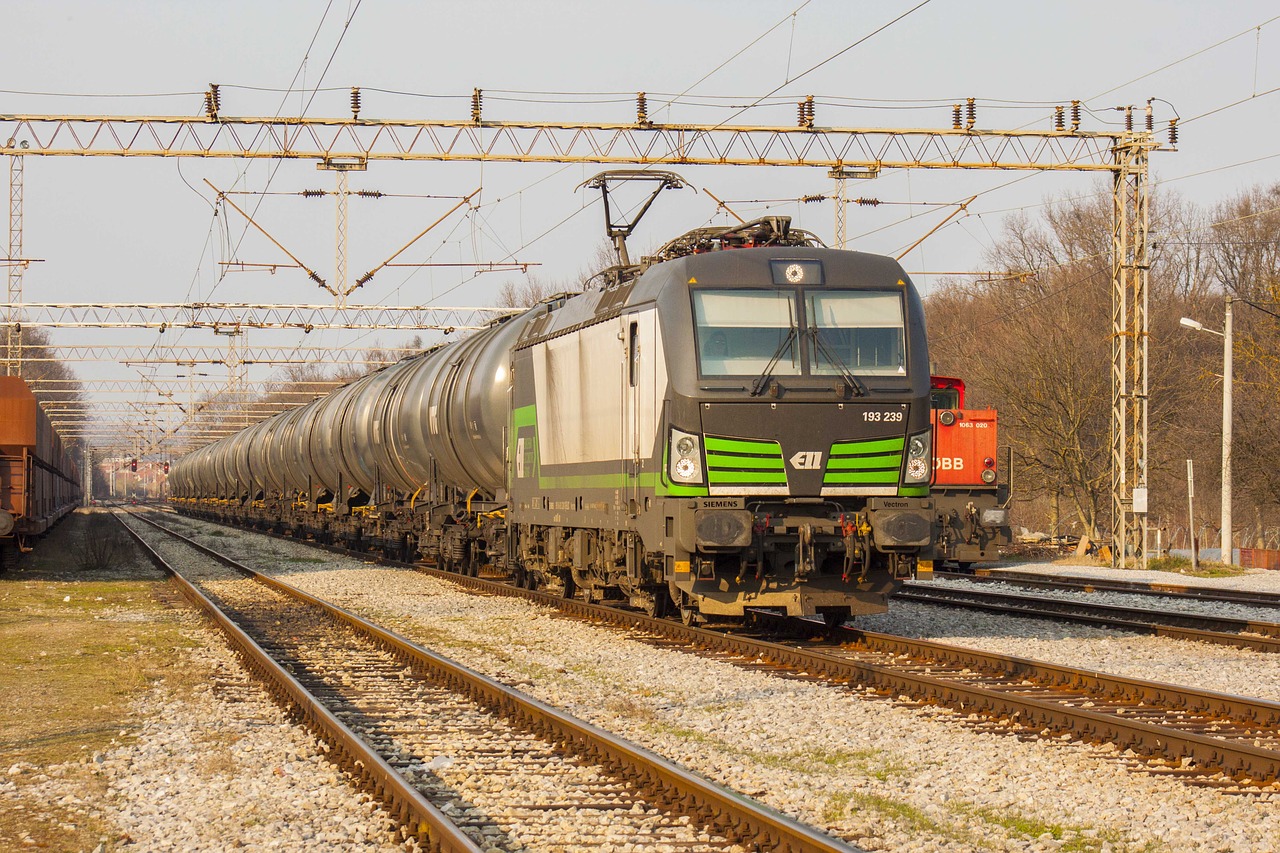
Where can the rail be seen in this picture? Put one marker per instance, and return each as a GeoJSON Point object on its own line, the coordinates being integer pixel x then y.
{"type": "Point", "coordinates": [727, 811]}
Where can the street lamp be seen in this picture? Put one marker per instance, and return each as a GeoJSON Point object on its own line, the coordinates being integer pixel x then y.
{"type": "Point", "coordinates": [1225, 334]}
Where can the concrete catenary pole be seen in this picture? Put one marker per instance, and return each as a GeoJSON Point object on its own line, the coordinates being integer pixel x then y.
{"type": "Point", "coordinates": [1227, 552]}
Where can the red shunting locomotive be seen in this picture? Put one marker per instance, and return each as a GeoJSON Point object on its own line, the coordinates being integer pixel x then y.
{"type": "Point", "coordinates": [971, 496]}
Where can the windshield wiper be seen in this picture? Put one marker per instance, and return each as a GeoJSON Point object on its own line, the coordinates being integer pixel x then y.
{"type": "Point", "coordinates": [859, 390]}
{"type": "Point", "coordinates": [762, 381]}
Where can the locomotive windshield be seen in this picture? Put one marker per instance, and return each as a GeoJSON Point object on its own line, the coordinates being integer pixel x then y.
{"type": "Point", "coordinates": [741, 331]}
{"type": "Point", "coordinates": [818, 333]}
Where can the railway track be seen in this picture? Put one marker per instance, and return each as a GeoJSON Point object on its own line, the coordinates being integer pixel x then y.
{"type": "Point", "coordinates": [1202, 628]}
{"type": "Point", "coordinates": [1182, 592]}
{"type": "Point", "coordinates": [1204, 738]}
{"type": "Point", "coordinates": [465, 762]}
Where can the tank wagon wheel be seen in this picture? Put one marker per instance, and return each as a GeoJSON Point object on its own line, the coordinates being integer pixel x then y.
{"type": "Point", "coordinates": [570, 588]}
{"type": "Point", "coordinates": [657, 606]}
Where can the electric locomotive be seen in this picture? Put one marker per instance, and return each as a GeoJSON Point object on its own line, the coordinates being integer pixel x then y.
{"type": "Point", "coordinates": [740, 421]}
{"type": "Point", "coordinates": [732, 428]}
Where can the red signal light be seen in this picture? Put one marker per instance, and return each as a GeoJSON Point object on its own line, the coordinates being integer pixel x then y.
{"type": "Point", "coordinates": [166, 467]}
{"type": "Point", "coordinates": [133, 464]}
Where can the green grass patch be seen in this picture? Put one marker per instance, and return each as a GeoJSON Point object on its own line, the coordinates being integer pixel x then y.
{"type": "Point", "coordinates": [836, 808]}
{"type": "Point", "coordinates": [1182, 566]}
{"type": "Point", "coordinates": [69, 668]}
{"type": "Point", "coordinates": [1069, 837]}
{"type": "Point", "coordinates": [904, 814]}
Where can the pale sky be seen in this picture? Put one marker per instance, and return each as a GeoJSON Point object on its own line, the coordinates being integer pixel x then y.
{"type": "Point", "coordinates": [143, 230]}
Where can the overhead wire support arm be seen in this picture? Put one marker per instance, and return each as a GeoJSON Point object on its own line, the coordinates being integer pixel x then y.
{"type": "Point", "coordinates": [720, 205]}
{"type": "Point", "coordinates": [370, 274]}
{"type": "Point", "coordinates": [961, 208]}
{"type": "Point", "coordinates": [310, 272]}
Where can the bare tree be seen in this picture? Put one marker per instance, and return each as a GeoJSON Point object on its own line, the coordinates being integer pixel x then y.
{"type": "Point", "coordinates": [1245, 247]}
{"type": "Point", "coordinates": [1036, 343]}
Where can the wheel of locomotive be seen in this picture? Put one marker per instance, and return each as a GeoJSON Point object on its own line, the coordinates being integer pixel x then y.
{"type": "Point", "coordinates": [519, 576]}
{"type": "Point", "coordinates": [570, 588]}
{"type": "Point", "coordinates": [474, 558]}
{"type": "Point", "coordinates": [834, 620]}
{"type": "Point", "coordinates": [689, 616]}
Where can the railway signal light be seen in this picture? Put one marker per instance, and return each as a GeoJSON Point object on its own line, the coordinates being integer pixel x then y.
{"type": "Point", "coordinates": [133, 464]}
{"type": "Point", "coordinates": [166, 467]}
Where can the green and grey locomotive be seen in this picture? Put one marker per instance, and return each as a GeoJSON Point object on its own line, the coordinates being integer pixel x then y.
{"type": "Point", "coordinates": [740, 422]}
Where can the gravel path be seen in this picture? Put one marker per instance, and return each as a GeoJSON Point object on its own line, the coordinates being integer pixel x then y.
{"type": "Point", "coordinates": [893, 776]}
{"type": "Point", "coordinates": [1253, 580]}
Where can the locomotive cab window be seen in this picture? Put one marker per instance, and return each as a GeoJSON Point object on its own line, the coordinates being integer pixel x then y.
{"type": "Point", "coordinates": [739, 332]}
{"type": "Point", "coordinates": [944, 398]}
{"type": "Point", "coordinates": [856, 331]}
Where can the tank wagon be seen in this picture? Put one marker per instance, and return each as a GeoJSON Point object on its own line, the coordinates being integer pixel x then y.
{"type": "Point", "coordinates": [39, 480]}
{"type": "Point", "coordinates": [741, 421]}
{"type": "Point", "coordinates": [971, 495]}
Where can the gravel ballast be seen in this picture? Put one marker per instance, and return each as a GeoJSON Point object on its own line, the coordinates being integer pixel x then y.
{"type": "Point", "coordinates": [889, 775]}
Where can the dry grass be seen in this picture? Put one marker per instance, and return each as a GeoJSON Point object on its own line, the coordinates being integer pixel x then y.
{"type": "Point", "coordinates": [77, 646]}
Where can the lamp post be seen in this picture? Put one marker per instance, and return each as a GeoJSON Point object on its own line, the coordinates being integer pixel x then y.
{"type": "Point", "coordinates": [1225, 334]}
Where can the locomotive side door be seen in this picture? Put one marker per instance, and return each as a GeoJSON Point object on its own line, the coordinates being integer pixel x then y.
{"type": "Point", "coordinates": [642, 374]}
{"type": "Point", "coordinates": [630, 425]}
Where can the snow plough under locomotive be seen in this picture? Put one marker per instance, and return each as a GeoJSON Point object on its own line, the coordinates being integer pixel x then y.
{"type": "Point", "coordinates": [741, 421]}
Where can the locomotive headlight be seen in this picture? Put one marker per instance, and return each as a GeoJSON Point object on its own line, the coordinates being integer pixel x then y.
{"type": "Point", "coordinates": [686, 457]}
{"type": "Point", "coordinates": [919, 457]}
{"type": "Point", "coordinates": [989, 476]}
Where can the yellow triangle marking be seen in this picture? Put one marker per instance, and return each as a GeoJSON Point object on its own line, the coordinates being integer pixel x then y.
{"type": "Point", "coordinates": [692, 280]}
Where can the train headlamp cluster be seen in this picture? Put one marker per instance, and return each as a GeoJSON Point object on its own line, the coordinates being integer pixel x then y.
{"type": "Point", "coordinates": [686, 457]}
{"type": "Point", "coordinates": [988, 470]}
{"type": "Point", "coordinates": [919, 458]}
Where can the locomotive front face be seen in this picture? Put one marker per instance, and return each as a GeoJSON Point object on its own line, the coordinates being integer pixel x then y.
{"type": "Point", "coordinates": [798, 424]}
